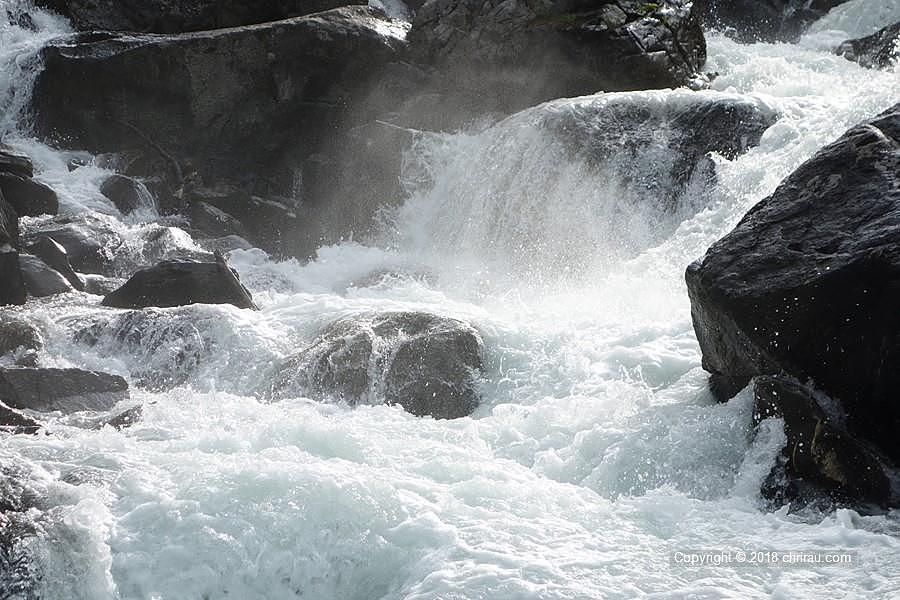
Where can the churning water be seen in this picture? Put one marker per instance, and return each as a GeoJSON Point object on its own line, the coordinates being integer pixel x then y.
{"type": "Point", "coordinates": [597, 451]}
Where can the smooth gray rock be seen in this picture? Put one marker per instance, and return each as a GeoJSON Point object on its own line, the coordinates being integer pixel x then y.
{"type": "Point", "coordinates": [426, 363]}
{"type": "Point", "coordinates": [12, 285]}
{"type": "Point", "coordinates": [62, 390]}
{"type": "Point", "coordinates": [55, 256]}
{"type": "Point", "coordinates": [15, 162]}
{"type": "Point", "coordinates": [127, 193]}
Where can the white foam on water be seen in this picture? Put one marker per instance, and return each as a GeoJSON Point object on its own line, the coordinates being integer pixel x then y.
{"type": "Point", "coordinates": [597, 451]}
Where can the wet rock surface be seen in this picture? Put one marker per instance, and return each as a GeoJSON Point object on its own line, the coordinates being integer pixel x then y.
{"type": "Point", "coordinates": [63, 390]}
{"type": "Point", "coordinates": [177, 283]}
{"type": "Point", "coordinates": [427, 364]}
{"type": "Point", "coordinates": [808, 281]}
{"type": "Point", "coordinates": [878, 51]}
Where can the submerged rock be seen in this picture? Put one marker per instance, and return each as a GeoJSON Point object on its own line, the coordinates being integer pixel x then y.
{"type": "Point", "coordinates": [177, 283]}
{"type": "Point", "coordinates": [165, 348]}
{"type": "Point", "coordinates": [29, 197]}
{"type": "Point", "coordinates": [878, 51]}
{"type": "Point", "coordinates": [763, 20]}
{"type": "Point", "coordinates": [808, 283]}
{"type": "Point", "coordinates": [427, 364]}
{"type": "Point", "coordinates": [659, 141]}
{"type": "Point", "coordinates": [820, 453]}
{"type": "Point", "coordinates": [63, 390]}
{"type": "Point", "coordinates": [40, 279]}
{"type": "Point", "coordinates": [177, 16]}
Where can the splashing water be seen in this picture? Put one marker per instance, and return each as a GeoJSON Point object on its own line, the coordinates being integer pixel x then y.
{"type": "Point", "coordinates": [596, 453]}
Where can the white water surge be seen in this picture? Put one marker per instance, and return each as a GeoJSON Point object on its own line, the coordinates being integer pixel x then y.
{"type": "Point", "coordinates": [597, 451]}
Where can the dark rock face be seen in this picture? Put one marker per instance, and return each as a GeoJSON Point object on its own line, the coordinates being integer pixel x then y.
{"type": "Point", "coordinates": [15, 163]}
{"type": "Point", "coordinates": [425, 363]}
{"type": "Point", "coordinates": [12, 286]}
{"type": "Point", "coordinates": [820, 452]}
{"type": "Point", "coordinates": [293, 80]}
{"type": "Point", "coordinates": [210, 220]}
{"type": "Point", "coordinates": [877, 51]}
{"type": "Point", "coordinates": [63, 390]}
{"type": "Point", "coordinates": [809, 281]}
{"type": "Point", "coordinates": [126, 193]}
{"type": "Point", "coordinates": [268, 222]}
{"type": "Point", "coordinates": [40, 279]}
{"type": "Point", "coordinates": [175, 16]}
{"type": "Point", "coordinates": [177, 283]}
{"type": "Point", "coordinates": [29, 197]}
{"type": "Point", "coordinates": [764, 20]}
{"type": "Point", "coordinates": [525, 53]}
{"type": "Point", "coordinates": [55, 256]}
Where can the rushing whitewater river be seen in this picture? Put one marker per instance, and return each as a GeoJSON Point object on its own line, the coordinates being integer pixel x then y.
{"type": "Point", "coordinates": [596, 455]}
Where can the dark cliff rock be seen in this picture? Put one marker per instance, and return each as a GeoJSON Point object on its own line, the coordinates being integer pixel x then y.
{"type": "Point", "coordinates": [177, 16]}
{"type": "Point", "coordinates": [808, 282]}
{"type": "Point", "coordinates": [877, 51]}
{"type": "Point", "coordinates": [504, 56]}
{"type": "Point", "coordinates": [821, 456]}
{"type": "Point", "coordinates": [177, 283]}
{"type": "Point", "coordinates": [239, 107]}
{"type": "Point", "coordinates": [763, 20]}
{"type": "Point", "coordinates": [425, 363]}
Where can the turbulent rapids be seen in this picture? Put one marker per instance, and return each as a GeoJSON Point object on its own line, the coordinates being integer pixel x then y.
{"type": "Point", "coordinates": [596, 451]}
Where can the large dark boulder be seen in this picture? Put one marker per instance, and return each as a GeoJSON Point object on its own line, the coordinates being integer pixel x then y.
{"type": "Point", "coordinates": [808, 283]}
{"type": "Point", "coordinates": [821, 456]}
{"type": "Point", "coordinates": [40, 279]}
{"type": "Point", "coordinates": [177, 283]}
{"type": "Point", "coordinates": [427, 364]}
{"type": "Point", "coordinates": [63, 390]}
{"type": "Point", "coordinates": [89, 242]}
{"type": "Point", "coordinates": [29, 197]}
{"type": "Point", "coordinates": [506, 55]}
{"type": "Point", "coordinates": [236, 105]}
{"type": "Point", "coordinates": [877, 51]}
{"type": "Point", "coordinates": [763, 20]}
{"type": "Point", "coordinates": [177, 16]}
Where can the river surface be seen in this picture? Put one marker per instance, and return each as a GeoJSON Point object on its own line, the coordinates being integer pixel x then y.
{"type": "Point", "coordinates": [597, 452]}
